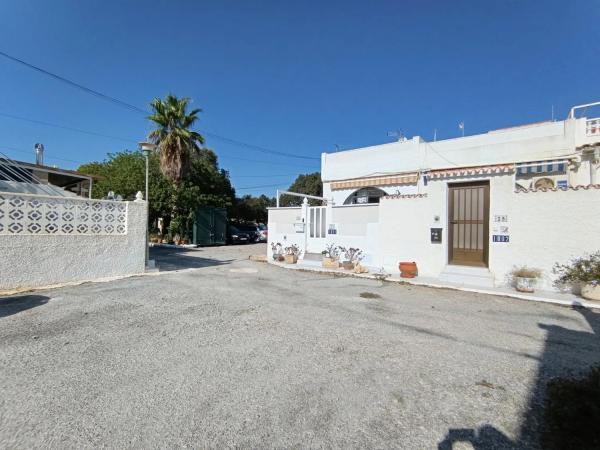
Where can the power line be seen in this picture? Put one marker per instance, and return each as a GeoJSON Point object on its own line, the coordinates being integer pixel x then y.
{"type": "Point", "coordinates": [269, 163]}
{"type": "Point", "coordinates": [64, 127]}
{"type": "Point", "coordinates": [265, 176]}
{"type": "Point", "coordinates": [439, 154]}
{"type": "Point", "coordinates": [131, 107]}
{"type": "Point", "coordinates": [258, 148]}
{"type": "Point", "coordinates": [258, 187]}
{"type": "Point", "coordinates": [116, 101]}
{"type": "Point", "coordinates": [19, 150]}
{"type": "Point", "coordinates": [120, 138]}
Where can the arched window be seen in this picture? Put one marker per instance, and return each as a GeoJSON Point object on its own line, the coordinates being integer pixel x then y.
{"type": "Point", "coordinates": [365, 195]}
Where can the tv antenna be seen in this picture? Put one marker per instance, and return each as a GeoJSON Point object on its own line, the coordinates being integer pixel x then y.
{"type": "Point", "coordinates": [397, 134]}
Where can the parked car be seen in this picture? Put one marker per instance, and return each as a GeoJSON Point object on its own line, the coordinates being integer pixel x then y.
{"type": "Point", "coordinates": [257, 233]}
{"type": "Point", "coordinates": [264, 232]}
{"type": "Point", "coordinates": [237, 236]}
{"type": "Point", "coordinates": [250, 230]}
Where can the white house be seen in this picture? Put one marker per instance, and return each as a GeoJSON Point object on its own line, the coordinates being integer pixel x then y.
{"type": "Point", "coordinates": [465, 210]}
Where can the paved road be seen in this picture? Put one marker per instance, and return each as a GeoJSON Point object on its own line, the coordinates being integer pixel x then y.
{"type": "Point", "coordinates": [244, 354]}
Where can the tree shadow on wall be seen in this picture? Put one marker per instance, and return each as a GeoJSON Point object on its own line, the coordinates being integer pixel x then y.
{"type": "Point", "coordinates": [567, 353]}
{"type": "Point", "coordinates": [16, 304]}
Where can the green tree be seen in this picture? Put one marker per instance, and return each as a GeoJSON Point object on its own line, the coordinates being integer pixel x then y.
{"type": "Point", "coordinates": [251, 209]}
{"type": "Point", "coordinates": [176, 143]}
{"type": "Point", "coordinates": [124, 174]}
{"type": "Point", "coordinates": [309, 183]}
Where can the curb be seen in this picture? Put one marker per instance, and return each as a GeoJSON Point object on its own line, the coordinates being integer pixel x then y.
{"type": "Point", "coordinates": [407, 281]}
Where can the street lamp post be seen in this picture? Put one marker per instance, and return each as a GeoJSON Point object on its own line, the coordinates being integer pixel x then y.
{"type": "Point", "coordinates": [147, 148]}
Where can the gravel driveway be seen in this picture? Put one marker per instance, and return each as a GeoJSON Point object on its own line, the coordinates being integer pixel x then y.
{"type": "Point", "coordinates": [243, 354]}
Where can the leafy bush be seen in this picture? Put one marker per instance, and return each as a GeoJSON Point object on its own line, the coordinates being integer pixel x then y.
{"type": "Point", "coordinates": [579, 270]}
{"type": "Point", "coordinates": [276, 247]}
{"type": "Point", "coordinates": [292, 250]}
{"type": "Point", "coordinates": [526, 272]}
{"type": "Point", "coordinates": [331, 251]}
{"type": "Point", "coordinates": [352, 254]}
{"type": "Point", "coordinates": [572, 413]}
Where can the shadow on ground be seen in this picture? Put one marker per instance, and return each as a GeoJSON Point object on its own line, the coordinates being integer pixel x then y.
{"type": "Point", "coordinates": [14, 305]}
{"type": "Point", "coordinates": [566, 353]}
{"type": "Point", "coordinates": [169, 259]}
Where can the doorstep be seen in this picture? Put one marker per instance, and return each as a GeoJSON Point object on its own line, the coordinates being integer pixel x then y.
{"type": "Point", "coordinates": [552, 297]}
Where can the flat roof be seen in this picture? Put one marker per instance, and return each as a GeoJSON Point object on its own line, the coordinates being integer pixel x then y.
{"type": "Point", "coordinates": [51, 169]}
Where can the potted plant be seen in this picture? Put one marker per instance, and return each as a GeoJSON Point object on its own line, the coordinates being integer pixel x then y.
{"type": "Point", "coordinates": [525, 278]}
{"type": "Point", "coordinates": [583, 272]}
{"type": "Point", "coordinates": [351, 255]}
{"type": "Point", "coordinates": [277, 249]}
{"type": "Point", "coordinates": [408, 269]}
{"type": "Point", "coordinates": [331, 256]}
{"type": "Point", "coordinates": [291, 254]}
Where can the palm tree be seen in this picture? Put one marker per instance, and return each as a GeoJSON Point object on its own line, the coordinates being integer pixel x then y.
{"type": "Point", "coordinates": [176, 143]}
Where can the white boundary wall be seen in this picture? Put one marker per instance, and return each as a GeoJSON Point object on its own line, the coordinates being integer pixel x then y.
{"type": "Point", "coordinates": [545, 227]}
{"type": "Point", "coordinates": [52, 240]}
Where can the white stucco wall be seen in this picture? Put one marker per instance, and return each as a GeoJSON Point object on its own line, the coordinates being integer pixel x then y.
{"type": "Point", "coordinates": [548, 227]}
{"type": "Point", "coordinates": [526, 143]}
{"type": "Point", "coordinates": [544, 228]}
{"type": "Point", "coordinates": [33, 260]}
{"type": "Point", "coordinates": [406, 223]}
{"type": "Point", "coordinates": [281, 228]}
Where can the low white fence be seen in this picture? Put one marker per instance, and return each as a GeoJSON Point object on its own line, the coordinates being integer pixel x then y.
{"type": "Point", "coordinates": [52, 240]}
{"type": "Point", "coordinates": [35, 214]}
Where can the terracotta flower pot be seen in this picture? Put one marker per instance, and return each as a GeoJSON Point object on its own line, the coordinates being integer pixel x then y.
{"type": "Point", "coordinates": [348, 265]}
{"type": "Point", "coordinates": [408, 269]}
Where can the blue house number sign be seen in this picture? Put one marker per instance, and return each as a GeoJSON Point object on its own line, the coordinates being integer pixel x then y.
{"type": "Point", "coordinates": [500, 238]}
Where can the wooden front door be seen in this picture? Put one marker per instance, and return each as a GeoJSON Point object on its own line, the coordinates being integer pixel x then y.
{"type": "Point", "coordinates": [468, 223]}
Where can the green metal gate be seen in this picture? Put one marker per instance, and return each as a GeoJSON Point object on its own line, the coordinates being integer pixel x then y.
{"type": "Point", "coordinates": [210, 226]}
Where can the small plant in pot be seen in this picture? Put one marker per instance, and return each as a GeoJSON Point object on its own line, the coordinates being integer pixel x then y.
{"type": "Point", "coordinates": [525, 278]}
{"type": "Point", "coordinates": [277, 250]}
{"type": "Point", "coordinates": [351, 256]}
{"type": "Point", "coordinates": [291, 254]}
{"type": "Point", "coordinates": [331, 256]}
{"type": "Point", "coordinates": [583, 273]}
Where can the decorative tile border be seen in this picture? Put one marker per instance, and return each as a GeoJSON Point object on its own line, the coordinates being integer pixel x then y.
{"type": "Point", "coordinates": [403, 196]}
{"type": "Point", "coordinates": [555, 189]}
{"type": "Point", "coordinates": [470, 171]}
{"type": "Point", "coordinates": [25, 214]}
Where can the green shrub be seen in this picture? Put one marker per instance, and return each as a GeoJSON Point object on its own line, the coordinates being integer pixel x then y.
{"type": "Point", "coordinates": [579, 270]}
{"type": "Point", "coordinates": [572, 413]}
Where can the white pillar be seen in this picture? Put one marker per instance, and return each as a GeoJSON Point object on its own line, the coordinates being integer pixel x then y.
{"type": "Point", "coordinates": [305, 219]}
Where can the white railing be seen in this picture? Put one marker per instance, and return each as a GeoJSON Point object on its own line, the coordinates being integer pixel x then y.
{"type": "Point", "coordinates": [592, 127]}
{"type": "Point", "coordinates": [27, 214]}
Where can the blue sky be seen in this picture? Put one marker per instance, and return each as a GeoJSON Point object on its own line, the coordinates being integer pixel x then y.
{"type": "Point", "coordinates": [297, 77]}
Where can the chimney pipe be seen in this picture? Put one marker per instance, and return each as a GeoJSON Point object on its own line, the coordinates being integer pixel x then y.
{"type": "Point", "coordinates": [39, 154]}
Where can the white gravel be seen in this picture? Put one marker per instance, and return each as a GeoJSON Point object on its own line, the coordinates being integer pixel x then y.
{"type": "Point", "coordinates": [243, 354]}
